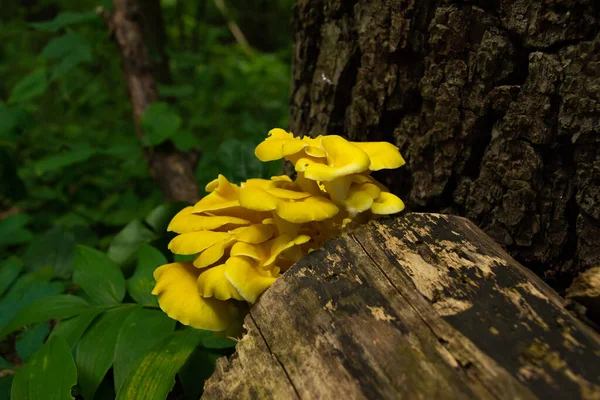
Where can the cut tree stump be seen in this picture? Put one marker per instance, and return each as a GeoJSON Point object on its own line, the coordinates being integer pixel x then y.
{"type": "Point", "coordinates": [424, 306]}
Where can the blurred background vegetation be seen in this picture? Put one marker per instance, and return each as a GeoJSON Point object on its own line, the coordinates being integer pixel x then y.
{"type": "Point", "coordinates": [72, 170]}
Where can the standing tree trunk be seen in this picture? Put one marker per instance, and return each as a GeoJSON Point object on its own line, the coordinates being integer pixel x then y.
{"type": "Point", "coordinates": [495, 105]}
{"type": "Point", "coordinates": [172, 169]}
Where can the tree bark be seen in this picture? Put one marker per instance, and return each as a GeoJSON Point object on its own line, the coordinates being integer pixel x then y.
{"type": "Point", "coordinates": [425, 306]}
{"type": "Point", "coordinates": [495, 105]}
{"type": "Point", "coordinates": [173, 170]}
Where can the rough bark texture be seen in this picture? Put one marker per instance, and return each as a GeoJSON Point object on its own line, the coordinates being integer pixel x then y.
{"type": "Point", "coordinates": [493, 103]}
{"type": "Point", "coordinates": [173, 170]}
{"type": "Point", "coordinates": [425, 306]}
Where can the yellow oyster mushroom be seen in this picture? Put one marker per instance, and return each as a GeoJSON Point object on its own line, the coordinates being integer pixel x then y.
{"type": "Point", "coordinates": [224, 194]}
{"type": "Point", "coordinates": [257, 233]}
{"type": "Point", "coordinates": [383, 155]}
{"type": "Point", "coordinates": [186, 221]}
{"type": "Point", "coordinates": [343, 158]}
{"type": "Point", "coordinates": [249, 280]}
{"type": "Point", "coordinates": [195, 242]}
{"type": "Point", "coordinates": [277, 145]}
{"type": "Point", "coordinates": [281, 244]}
{"type": "Point", "coordinates": [304, 209]}
{"type": "Point", "coordinates": [360, 198]}
{"type": "Point", "coordinates": [387, 203]}
{"type": "Point", "coordinates": [213, 283]}
{"type": "Point", "coordinates": [178, 296]}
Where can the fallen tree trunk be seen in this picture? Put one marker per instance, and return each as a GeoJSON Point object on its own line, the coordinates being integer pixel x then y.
{"type": "Point", "coordinates": [422, 306]}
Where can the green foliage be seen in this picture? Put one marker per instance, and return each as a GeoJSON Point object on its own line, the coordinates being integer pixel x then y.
{"type": "Point", "coordinates": [82, 221]}
{"type": "Point", "coordinates": [50, 374]}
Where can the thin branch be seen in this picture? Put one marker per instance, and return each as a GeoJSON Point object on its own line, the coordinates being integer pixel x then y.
{"type": "Point", "coordinates": [234, 27]}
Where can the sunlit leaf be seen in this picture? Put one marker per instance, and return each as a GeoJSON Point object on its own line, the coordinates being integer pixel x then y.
{"type": "Point", "coordinates": [49, 375]}
{"type": "Point", "coordinates": [26, 290]}
{"type": "Point", "coordinates": [198, 368]}
{"type": "Point", "coordinates": [44, 309]}
{"type": "Point", "coordinates": [154, 376]}
{"type": "Point", "coordinates": [127, 242]}
{"type": "Point", "coordinates": [68, 51]}
{"type": "Point", "coordinates": [142, 330]}
{"type": "Point", "coordinates": [73, 328]}
{"type": "Point", "coordinates": [142, 282]}
{"type": "Point", "coordinates": [96, 349]}
{"type": "Point", "coordinates": [98, 275]}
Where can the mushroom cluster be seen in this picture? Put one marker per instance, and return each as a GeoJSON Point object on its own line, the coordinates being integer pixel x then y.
{"type": "Point", "coordinates": [244, 236]}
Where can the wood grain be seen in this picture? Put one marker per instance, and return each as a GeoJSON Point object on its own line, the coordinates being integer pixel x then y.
{"type": "Point", "coordinates": [422, 306]}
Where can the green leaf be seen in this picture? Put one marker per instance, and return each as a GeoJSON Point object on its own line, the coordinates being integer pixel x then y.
{"type": "Point", "coordinates": [96, 349]}
{"type": "Point", "coordinates": [127, 242]}
{"type": "Point", "coordinates": [142, 282]}
{"type": "Point", "coordinates": [63, 19]}
{"type": "Point", "coordinates": [198, 368]}
{"type": "Point", "coordinates": [5, 384]}
{"type": "Point", "coordinates": [210, 340]}
{"type": "Point", "coordinates": [60, 161]}
{"type": "Point", "coordinates": [186, 141]}
{"type": "Point", "coordinates": [13, 231]}
{"type": "Point", "coordinates": [9, 271]}
{"type": "Point", "coordinates": [159, 123]}
{"type": "Point", "coordinates": [26, 290]}
{"type": "Point", "coordinates": [159, 218]}
{"type": "Point", "coordinates": [44, 309]}
{"type": "Point", "coordinates": [31, 86]}
{"type": "Point", "coordinates": [49, 375]}
{"type": "Point", "coordinates": [31, 340]}
{"type": "Point", "coordinates": [175, 90]}
{"type": "Point", "coordinates": [69, 51]}
{"type": "Point", "coordinates": [154, 376]}
{"type": "Point", "coordinates": [142, 331]}
{"type": "Point", "coordinates": [98, 276]}
{"type": "Point", "coordinates": [54, 249]}
{"type": "Point", "coordinates": [73, 328]}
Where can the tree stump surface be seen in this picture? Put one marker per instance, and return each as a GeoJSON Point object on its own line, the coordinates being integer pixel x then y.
{"type": "Point", "coordinates": [421, 306]}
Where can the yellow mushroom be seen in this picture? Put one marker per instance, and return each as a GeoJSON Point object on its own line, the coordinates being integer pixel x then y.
{"type": "Point", "coordinates": [343, 158]}
{"type": "Point", "coordinates": [387, 203]}
{"type": "Point", "coordinates": [213, 283]}
{"type": "Point", "coordinates": [249, 280]}
{"type": "Point", "coordinates": [178, 296]}
{"type": "Point", "coordinates": [186, 221]}
{"type": "Point", "coordinates": [383, 155]}
{"type": "Point", "coordinates": [304, 208]}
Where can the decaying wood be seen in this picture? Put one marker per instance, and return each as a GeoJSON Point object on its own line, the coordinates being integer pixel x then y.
{"type": "Point", "coordinates": [494, 105]}
{"type": "Point", "coordinates": [586, 291]}
{"type": "Point", "coordinates": [423, 306]}
{"type": "Point", "coordinates": [173, 170]}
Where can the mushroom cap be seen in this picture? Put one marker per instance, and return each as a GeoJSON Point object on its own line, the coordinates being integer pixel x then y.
{"type": "Point", "coordinates": [224, 195]}
{"type": "Point", "coordinates": [213, 283]}
{"type": "Point", "coordinates": [195, 242]}
{"type": "Point", "coordinates": [249, 280]}
{"type": "Point", "coordinates": [383, 155]}
{"type": "Point", "coordinates": [343, 158]}
{"type": "Point", "coordinates": [178, 296]}
{"type": "Point", "coordinates": [186, 221]}
{"type": "Point", "coordinates": [387, 203]}
{"type": "Point", "coordinates": [296, 207]}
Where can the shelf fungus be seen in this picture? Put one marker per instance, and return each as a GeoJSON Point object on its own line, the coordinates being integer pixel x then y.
{"type": "Point", "coordinates": [243, 237]}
